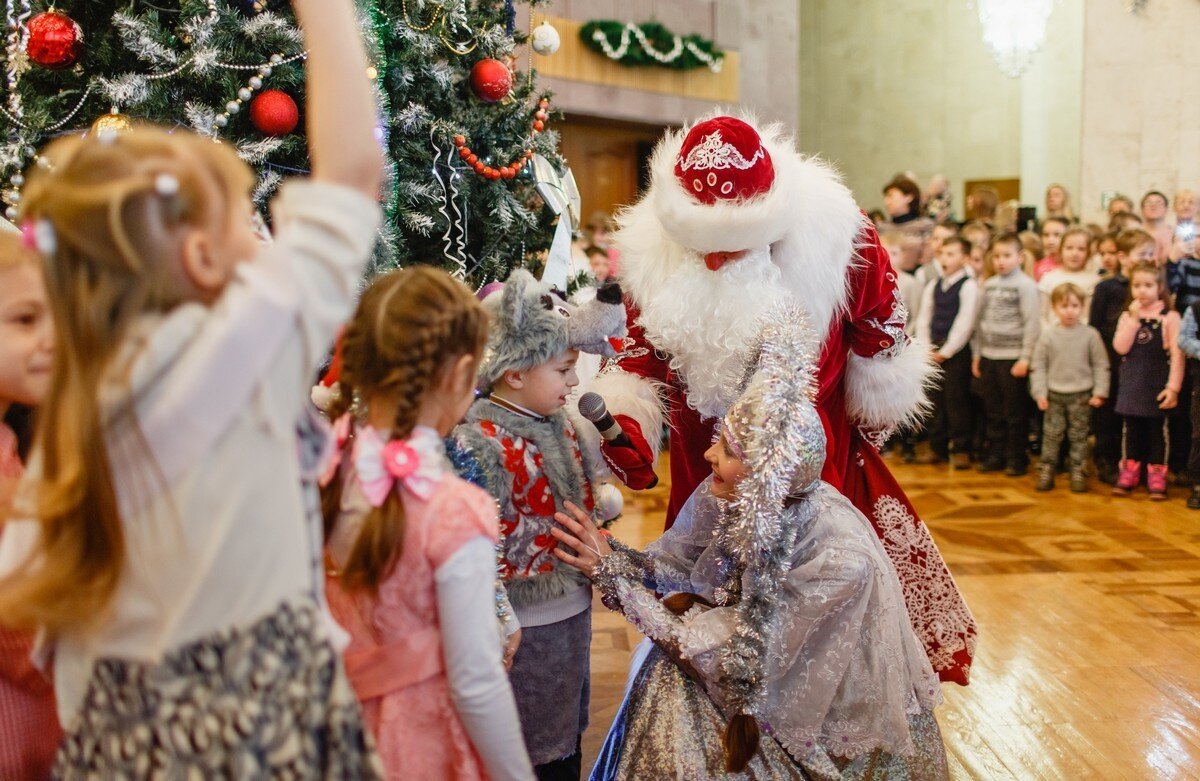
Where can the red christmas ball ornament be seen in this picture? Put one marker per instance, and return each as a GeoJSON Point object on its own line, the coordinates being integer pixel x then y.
{"type": "Point", "coordinates": [274, 113]}
{"type": "Point", "coordinates": [464, 152]}
{"type": "Point", "coordinates": [460, 140]}
{"type": "Point", "coordinates": [491, 80]}
{"type": "Point", "coordinates": [492, 173]}
{"type": "Point", "coordinates": [55, 40]}
{"type": "Point", "coordinates": [479, 166]}
{"type": "Point", "coordinates": [473, 159]}
{"type": "Point", "coordinates": [539, 125]}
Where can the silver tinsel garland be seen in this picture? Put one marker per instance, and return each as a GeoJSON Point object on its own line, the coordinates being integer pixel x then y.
{"type": "Point", "coordinates": [773, 421]}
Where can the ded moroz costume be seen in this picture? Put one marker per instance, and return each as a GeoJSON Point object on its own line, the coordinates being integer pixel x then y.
{"type": "Point", "coordinates": [735, 222]}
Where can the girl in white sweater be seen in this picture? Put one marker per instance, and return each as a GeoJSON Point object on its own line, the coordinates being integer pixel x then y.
{"type": "Point", "coordinates": [164, 540]}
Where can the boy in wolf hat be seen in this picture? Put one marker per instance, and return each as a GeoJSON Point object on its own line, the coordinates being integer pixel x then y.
{"type": "Point", "coordinates": [529, 451]}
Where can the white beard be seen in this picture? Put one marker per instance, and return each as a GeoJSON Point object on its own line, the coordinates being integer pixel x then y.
{"type": "Point", "coordinates": [708, 321]}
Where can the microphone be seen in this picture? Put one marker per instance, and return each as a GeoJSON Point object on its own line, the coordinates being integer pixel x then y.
{"type": "Point", "coordinates": [592, 407]}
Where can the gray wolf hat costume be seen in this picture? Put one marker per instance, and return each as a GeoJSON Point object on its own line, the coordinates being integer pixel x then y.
{"type": "Point", "coordinates": [530, 323]}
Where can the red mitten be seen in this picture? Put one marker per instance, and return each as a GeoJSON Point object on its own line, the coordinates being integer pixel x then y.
{"type": "Point", "coordinates": [632, 462]}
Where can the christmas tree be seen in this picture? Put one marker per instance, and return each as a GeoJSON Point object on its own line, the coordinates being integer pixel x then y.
{"type": "Point", "coordinates": [460, 124]}
{"type": "Point", "coordinates": [465, 124]}
{"type": "Point", "coordinates": [233, 71]}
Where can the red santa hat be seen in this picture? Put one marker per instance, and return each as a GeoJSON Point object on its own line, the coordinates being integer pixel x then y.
{"type": "Point", "coordinates": [725, 184]}
{"type": "Point", "coordinates": [724, 159]}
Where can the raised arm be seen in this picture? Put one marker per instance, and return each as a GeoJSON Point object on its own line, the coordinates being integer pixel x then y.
{"type": "Point", "coordinates": [341, 105]}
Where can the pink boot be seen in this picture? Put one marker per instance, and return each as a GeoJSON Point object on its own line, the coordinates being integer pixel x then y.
{"type": "Point", "coordinates": [1127, 479]}
{"type": "Point", "coordinates": [1156, 481]}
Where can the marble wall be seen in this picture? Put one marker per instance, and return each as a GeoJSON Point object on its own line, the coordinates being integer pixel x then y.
{"type": "Point", "coordinates": [763, 32]}
{"type": "Point", "coordinates": [1141, 107]}
{"type": "Point", "coordinates": [888, 87]}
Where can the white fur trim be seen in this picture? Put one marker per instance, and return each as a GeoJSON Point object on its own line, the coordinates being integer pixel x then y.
{"type": "Point", "coordinates": [812, 226]}
{"type": "Point", "coordinates": [637, 397]}
{"type": "Point", "coordinates": [883, 394]}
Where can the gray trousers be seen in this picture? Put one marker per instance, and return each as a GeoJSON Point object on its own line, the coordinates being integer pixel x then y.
{"type": "Point", "coordinates": [1070, 415]}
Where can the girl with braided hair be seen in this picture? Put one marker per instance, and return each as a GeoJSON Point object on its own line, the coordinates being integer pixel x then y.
{"type": "Point", "coordinates": [163, 539]}
{"type": "Point", "coordinates": [410, 553]}
{"type": "Point", "coordinates": [783, 649]}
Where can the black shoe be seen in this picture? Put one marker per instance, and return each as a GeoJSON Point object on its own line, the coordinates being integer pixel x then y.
{"type": "Point", "coordinates": [1016, 470]}
{"type": "Point", "coordinates": [1193, 501]}
{"type": "Point", "coordinates": [1107, 473]}
{"type": "Point", "coordinates": [991, 466]}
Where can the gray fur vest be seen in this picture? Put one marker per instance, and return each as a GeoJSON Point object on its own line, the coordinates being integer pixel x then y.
{"type": "Point", "coordinates": [497, 438]}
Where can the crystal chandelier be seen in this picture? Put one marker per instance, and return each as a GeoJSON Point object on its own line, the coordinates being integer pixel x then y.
{"type": "Point", "coordinates": [1014, 30]}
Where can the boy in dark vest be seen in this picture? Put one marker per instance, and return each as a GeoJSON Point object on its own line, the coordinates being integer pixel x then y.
{"type": "Point", "coordinates": [947, 315]}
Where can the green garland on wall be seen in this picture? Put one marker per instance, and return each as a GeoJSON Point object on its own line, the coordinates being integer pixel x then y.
{"type": "Point", "coordinates": [650, 44]}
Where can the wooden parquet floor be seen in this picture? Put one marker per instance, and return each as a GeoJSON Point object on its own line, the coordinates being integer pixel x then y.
{"type": "Point", "coordinates": [1088, 664]}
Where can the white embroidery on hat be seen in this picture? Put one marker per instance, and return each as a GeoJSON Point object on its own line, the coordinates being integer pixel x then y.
{"type": "Point", "coordinates": [714, 154]}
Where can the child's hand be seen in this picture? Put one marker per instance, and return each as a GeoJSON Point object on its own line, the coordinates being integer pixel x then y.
{"type": "Point", "coordinates": [1043, 404]}
{"type": "Point", "coordinates": [1020, 369]}
{"type": "Point", "coordinates": [585, 539]}
{"type": "Point", "coordinates": [1096, 401]}
{"type": "Point", "coordinates": [938, 357]}
{"type": "Point", "coordinates": [975, 372]}
{"type": "Point", "coordinates": [510, 649]}
{"type": "Point", "coordinates": [1168, 399]}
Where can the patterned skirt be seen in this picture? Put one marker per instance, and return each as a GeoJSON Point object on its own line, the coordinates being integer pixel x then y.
{"type": "Point", "coordinates": [266, 701]}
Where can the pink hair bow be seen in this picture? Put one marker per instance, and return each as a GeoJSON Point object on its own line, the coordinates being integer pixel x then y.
{"type": "Point", "coordinates": [415, 463]}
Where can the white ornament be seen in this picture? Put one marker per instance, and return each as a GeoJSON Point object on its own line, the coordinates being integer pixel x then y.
{"type": "Point", "coordinates": [546, 39]}
{"type": "Point", "coordinates": [609, 502]}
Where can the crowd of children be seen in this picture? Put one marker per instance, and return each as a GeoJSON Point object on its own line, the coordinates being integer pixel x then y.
{"type": "Point", "coordinates": [1069, 334]}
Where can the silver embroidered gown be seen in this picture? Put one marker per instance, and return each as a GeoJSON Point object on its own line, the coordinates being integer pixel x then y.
{"type": "Point", "coordinates": [850, 692]}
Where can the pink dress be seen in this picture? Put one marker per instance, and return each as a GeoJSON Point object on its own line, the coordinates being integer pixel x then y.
{"type": "Point", "coordinates": [395, 660]}
{"type": "Point", "coordinates": [29, 731]}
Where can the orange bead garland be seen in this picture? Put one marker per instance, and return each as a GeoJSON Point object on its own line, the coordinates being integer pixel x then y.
{"type": "Point", "coordinates": [511, 170]}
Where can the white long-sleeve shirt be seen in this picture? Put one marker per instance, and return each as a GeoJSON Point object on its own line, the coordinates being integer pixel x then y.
{"type": "Point", "coordinates": [964, 321]}
{"type": "Point", "coordinates": [209, 480]}
{"type": "Point", "coordinates": [478, 684]}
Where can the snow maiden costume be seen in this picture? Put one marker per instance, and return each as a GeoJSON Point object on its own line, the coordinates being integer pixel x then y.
{"type": "Point", "coordinates": [800, 621]}
{"type": "Point", "coordinates": [734, 223]}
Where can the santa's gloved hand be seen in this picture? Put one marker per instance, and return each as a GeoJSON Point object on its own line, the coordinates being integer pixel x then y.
{"type": "Point", "coordinates": [632, 463]}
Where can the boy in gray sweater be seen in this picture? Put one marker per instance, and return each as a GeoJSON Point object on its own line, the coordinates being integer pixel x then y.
{"type": "Point", "coordinates": [1006, 332]}
{"type": "Point", "coordinates": [1069, 378]}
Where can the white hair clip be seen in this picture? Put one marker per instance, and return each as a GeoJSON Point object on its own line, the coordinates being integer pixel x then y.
{"type": "Point", "coordinates": [166, 185]}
